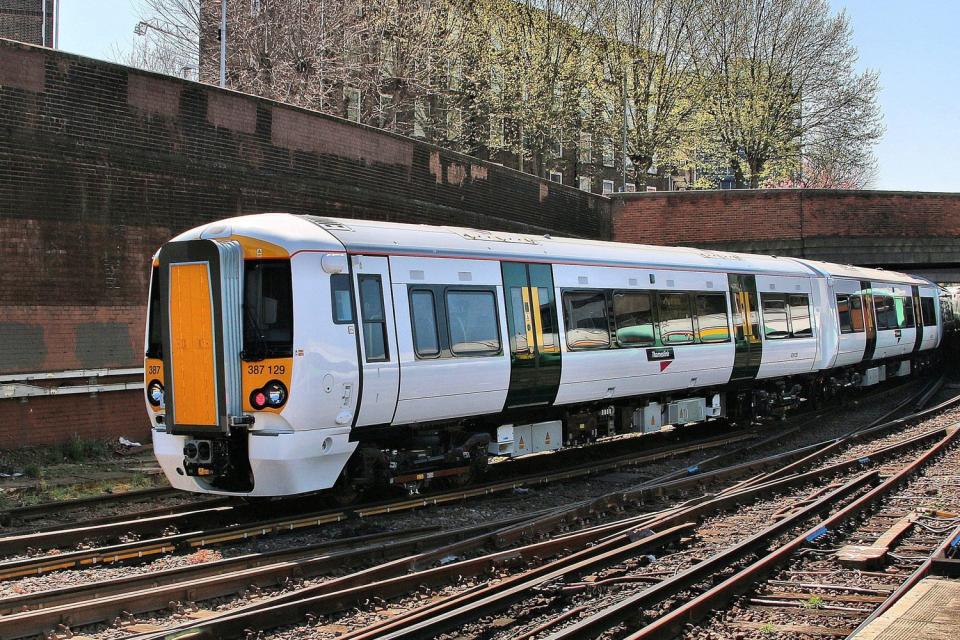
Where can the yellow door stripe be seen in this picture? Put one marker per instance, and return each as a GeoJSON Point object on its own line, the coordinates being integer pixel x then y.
{"type": "Point", "coordinates": [191, 341]}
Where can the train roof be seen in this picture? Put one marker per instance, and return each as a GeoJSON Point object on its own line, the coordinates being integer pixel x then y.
{"type": "Point", "coordinates": [388, 237]}
{"type": "Point", "coordinates": [297, 232]}
{"type": "Point", "coordinates": [369, 236]}
{"type": "Point", "coordinates": [863, 273]}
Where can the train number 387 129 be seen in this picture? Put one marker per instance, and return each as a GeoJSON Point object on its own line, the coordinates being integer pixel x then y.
{"type": "Point", "coordinates": [272, 369]}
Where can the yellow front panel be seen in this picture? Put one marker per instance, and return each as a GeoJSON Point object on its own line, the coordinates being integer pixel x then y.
{"type": "Point", "coordinates": [191, 340]}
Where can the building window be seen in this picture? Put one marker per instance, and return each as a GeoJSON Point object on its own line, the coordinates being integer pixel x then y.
{"type": "Point", "coordinates": [472, 321]}
{"type": "Point", "coordinates": [629, 187]}
{"type": "Point", "coordinates": [385, 117]}
{"type": "Point", "coordinates": [607, 186]}
{"type": "Point", "coordinates": [352, 98]}
{"type": "Point", "coordinates": [496, 132]}
{"type": "Point", "coordinates": [559, 148]}
{"type": "Point", "coordinates": [583, 182]}
{"type": "Point", "coordinates": [608, 154]}
{"type": "Point", "coordinates": [454, 123]}
{"type": "Point", "coordinates": [374, 319]}
{"type": "Point", "coordinates": [676, 321]}
{"type": "Point", "coordinates": [556, 176]}
{"type": "Point", "coordinates": [423, 316]}
{"type": "Point", "coordinates": [633, 319]}
{"type": "Point", "coordinates": [585, 152]}
{"type": "Point", "coordinates": [421, 118]}
{"type": "Point", "coordinates": [585, 316]}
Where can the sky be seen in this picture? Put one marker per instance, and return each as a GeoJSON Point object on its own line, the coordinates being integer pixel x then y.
{"type": "Point", "coordinates": [914, 45]}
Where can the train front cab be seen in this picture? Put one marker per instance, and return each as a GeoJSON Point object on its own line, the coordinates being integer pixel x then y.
{"type": "Point", "coordinates": [221, 380]}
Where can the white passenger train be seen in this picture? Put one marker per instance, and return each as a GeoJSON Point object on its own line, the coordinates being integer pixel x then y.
{"type": "Point", "coordinates": [288, 354]}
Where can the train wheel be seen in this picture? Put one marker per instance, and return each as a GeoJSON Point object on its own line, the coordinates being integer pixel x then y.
{"type": "Point", "coordinates": [345, 492]}
{"type": "Point", "coordinates": [477, 469]}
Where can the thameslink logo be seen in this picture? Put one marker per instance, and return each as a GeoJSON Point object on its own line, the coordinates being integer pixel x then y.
{"type": "Point", "coordinates": [654, 355]}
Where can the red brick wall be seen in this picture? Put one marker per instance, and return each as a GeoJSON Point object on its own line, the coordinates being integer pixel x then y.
{"type": "Point", "coordinates": [56, 419]}
{"type": "Point", "coordinates": [882, 228]}
{"type": "Point", "coordinates": [100, 164]}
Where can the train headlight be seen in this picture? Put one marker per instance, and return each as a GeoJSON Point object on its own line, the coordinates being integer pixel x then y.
{"type": "Point", "coordinates": [276, 393]}
{"type": "Point", "coordinates": [273, 395]}
{"type": "Point", "coordinates": [155, 393]}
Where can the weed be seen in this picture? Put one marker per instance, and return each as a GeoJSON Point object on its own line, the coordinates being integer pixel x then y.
{"type": "Point", "coordinates": [79, 450]}
{"type": "Point", "coordinates": [33, 470]}
{"type": "Point", "coordinates": [768, 629]}
{"type": "Point", "coordinates": [813, 602]}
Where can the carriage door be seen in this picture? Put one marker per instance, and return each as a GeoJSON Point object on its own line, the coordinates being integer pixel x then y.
{"type": "Point", "coordinates": [746, 327]}
{"type": "Point", "coordinates": [378, 341]}
{"type": "Point", "coordinates": [533, 330]}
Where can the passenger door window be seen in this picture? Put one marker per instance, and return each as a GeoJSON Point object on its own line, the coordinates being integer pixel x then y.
{"type": "Point", "coordinates": [426, 340]}
{"type": "Point", "coordinates": [373, 317]}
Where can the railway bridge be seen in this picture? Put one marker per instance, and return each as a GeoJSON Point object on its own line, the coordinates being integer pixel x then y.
{"type": "Point", "coordinates": [102, 163]}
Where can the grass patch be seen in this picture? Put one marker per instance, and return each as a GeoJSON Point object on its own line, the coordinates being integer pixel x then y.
{"type": "Point", "coordinates": [813, 602]}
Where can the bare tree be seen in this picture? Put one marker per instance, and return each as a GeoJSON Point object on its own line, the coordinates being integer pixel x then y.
{"type": "Point", "coordinates": [539, 91]}
{"type": "Point", "coordinates": [647, 50]}
{"type": "Point", "coordinates": [169, 38]}
{"type": "Point", "coordinates": [776, 73]}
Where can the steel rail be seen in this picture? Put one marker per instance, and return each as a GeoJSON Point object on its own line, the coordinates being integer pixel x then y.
{"type": "Point", "coordinates": [37, 613]}
{"type": "Point", "coordinates": [696, 609]}
{"type": "Point", "coordinates": [43, 508]}
{"type": "Point", "coordinates": [921, 572]}
{"type": "Point", "coordinates": [287, 607]}
{"type": "Point", "coordinates": [197, 539]}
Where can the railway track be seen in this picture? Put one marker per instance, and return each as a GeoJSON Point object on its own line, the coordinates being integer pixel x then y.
{"type": "Point", "coordinates": [97, 602]}
{"type": "Point", "coordinates": [396, 577]}
{"type": "Point", "coordinates": [192, 540]}
{"type": "Point", "coordinates": [575, 597]}
{"type": "Point", "coordinates": [211, 518]}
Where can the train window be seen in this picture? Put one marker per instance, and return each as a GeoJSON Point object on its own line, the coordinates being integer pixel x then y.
{"type": "Point", "coordinates": [341, 300]}
{"type": "Point", "coordinates": [585, 315]}
{"type": "Point", "coordinates": [800, 326]}
{"type": "Point", "coordinates": [928, 312]}
{"type": "Point", "coordinates": [850, 309]}
{"type": "Point", "coordinates": [154, 341]}
{"type": "Point", "coordinates": [423, 315]}
{"type": "Point", "coordinates": [885, 310]}
{"type": "Point", "coordinates": [676, 321]}
{"type": "Point", "coordinates": [905, 312]}
{"type": "Point", "coordinates": [633, 318]}
{"type": "Point", "coordinates": [776, 318]}
{"type": "Point", "coordinates": [267, 310]}
{"type": "Point", "coordinates": [374, 319]}
{"type": "Point", "coordinates": [473, 324]}
{"type": "Point", "coordinates": [712, 323]}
